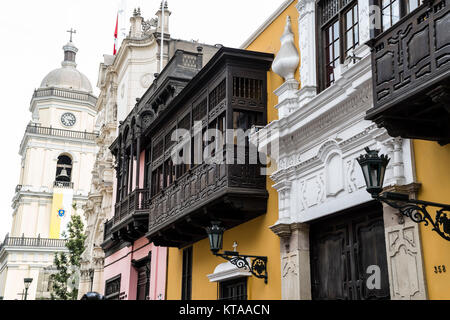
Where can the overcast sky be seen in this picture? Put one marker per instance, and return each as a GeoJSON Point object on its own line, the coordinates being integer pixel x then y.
{"type": "Point", "coordinates": [32, 33]}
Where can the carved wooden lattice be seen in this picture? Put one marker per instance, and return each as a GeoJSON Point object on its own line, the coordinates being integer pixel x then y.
{"type": "Point", "coordinates": [412, 53]}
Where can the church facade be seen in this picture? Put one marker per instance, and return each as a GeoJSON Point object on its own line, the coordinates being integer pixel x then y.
{"type": "Point", "coordinates": [58, 151]}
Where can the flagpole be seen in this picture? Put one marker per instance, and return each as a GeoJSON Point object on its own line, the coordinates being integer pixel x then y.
{"type": "Point", "coordinates": [162, 37]}
{"type": "Point", "coordinates": [116, 34]}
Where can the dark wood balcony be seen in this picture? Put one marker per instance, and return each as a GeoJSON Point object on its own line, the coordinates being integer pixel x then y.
{"type": "Point", "coordinates": [229, 93]}
{"type": "Point", "coordinates": [411, 75]}
{"type": "Point", "coordinates": [130, 219]}
{"type": "Point", "coordinates": [232, 194]}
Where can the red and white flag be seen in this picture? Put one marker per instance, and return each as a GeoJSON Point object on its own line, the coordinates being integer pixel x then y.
{"type": "Point", "coordinates": [115, 35]}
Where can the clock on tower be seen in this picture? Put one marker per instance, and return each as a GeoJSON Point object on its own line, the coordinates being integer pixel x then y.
{"type": "Point", "coordinates": [68, 119]}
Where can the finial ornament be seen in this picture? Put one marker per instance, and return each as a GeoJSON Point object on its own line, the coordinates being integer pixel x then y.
{"type": "Point", "coordinates": [71, 31]}
{"type": "Point", "coordinates": [287, 59]}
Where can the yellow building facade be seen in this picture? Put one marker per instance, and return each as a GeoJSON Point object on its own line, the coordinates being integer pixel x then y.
{"type": "Point", "coordinates": [433, 172]}
{"type": "Point", "coordinates": [255, 236]}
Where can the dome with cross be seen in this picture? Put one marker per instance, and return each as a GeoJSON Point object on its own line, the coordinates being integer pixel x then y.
{"type": "Point", "coordinates": [68, 76]}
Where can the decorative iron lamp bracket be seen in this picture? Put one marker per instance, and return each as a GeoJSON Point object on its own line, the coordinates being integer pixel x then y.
{"type": "Point", "coordinates": [374, 167]}
{"type": "Point", "coordinates": [257, 265]}
{"type": "Point", "coordinates": [417, 211]}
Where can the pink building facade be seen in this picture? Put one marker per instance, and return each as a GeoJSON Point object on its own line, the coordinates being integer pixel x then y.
{"type": "Point", "coordinates": [134, 270]}
{"type": "Point", "coordinates": [139, 271]}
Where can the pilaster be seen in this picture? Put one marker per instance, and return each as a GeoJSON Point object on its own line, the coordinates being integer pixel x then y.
{"type": "Point", "coordinates": [404, 251]}
{"type": "Point", "coordinates": [295, 261]}
{"type": "Point", "coordinates": [307, 44]}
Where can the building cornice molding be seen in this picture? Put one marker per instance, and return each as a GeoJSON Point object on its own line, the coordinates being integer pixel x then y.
{"type": "Point", "coordinates": [87, 146]}
{"type": "Point", "coordinates": [126, 49]}
{"type": "Point", "coordinates": [90, 106]}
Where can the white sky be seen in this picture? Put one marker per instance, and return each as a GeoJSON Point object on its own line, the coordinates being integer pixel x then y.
{"type": "Point", "coordinates": [32, 33]}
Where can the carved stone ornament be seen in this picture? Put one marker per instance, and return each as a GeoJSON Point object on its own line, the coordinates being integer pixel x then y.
{"type": "Point", "coordinates": [287, 59]}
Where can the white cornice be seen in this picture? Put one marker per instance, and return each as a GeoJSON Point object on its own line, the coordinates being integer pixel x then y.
{"type": "Point", "coordinates": [266, 23]}
{"type": "Point", "coordinates": [91, 108]}
{"type": "Point", "coordinates": [88, 146]}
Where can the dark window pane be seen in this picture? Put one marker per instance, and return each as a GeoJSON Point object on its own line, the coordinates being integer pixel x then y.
{"type": "Point", "coordinates": [336, 30]}
{"type": "Point", "coordinates": [349, 20]}
{"type": "Point", "coordinates": [386, 18]}
{"type": "Point", "coordinates": [336, 50]}
{"type": "Point", "coordinates": [349, 40]}
{"type": "Point", "coordinates": [395, 11]}
{"type": "Point", "coordinates": [233, 290]}
{"type": "Point", "coordinates": [186, 281]}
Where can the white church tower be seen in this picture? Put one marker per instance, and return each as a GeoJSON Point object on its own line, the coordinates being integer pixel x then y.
{"type": "Point", "coordinates": [58, 152]}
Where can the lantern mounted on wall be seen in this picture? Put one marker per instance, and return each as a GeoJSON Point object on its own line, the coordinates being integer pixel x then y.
{"type": "Point", "coordinates": [256, 265]}
{"type": "Point", "coordinates": [27, 283]}
{"type": "Point", "coordinates": [215, 235]}
{"type": "Point", "coordinates": [374, 168]}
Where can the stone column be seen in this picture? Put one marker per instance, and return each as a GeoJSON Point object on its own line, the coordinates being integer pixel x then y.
{"type": "Point", "coordinates": [98, 285]}
{"type": "Point", "coordinates": [84, 285]}
{"type": "Point", "coordinates": [404, 252]}
{"type": "Point", "coordinates": [295, 261]}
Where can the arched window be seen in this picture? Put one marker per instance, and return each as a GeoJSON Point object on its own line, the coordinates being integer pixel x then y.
{"type": "Point", "coordinates": [64, 169]}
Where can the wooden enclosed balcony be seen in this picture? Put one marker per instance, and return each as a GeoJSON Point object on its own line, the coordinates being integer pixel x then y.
{"type": "Point", "coordinates": [231, 194]}
{"type": "Point", "coordinates": [130, 219]}
{"type": "Point", "coordinates": [411, 75]}
{"type": "Point", "coordinates": [229, 93]}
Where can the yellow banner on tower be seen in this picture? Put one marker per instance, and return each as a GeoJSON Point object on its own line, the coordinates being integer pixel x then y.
{"type": "Point", "coordinates": [61, 212]}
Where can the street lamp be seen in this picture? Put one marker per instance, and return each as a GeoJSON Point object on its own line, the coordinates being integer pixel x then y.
{"type": "Point", "coordinates": [215, 235]}
{"type": "Point", "coordinates": [374, 167]}
{"type": "Point", "coordinates": [93, 296]}
{"type": "Point", "coordinates": [257, 265]}
{"type": "Point", "coordinates": [27, 283]}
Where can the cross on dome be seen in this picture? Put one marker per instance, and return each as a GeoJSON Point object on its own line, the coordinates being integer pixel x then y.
{"type": "Point", "coordinates": [71, 31]}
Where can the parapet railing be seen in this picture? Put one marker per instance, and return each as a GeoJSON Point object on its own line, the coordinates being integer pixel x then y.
{"type": "Point", "coordinates": [34, 129]}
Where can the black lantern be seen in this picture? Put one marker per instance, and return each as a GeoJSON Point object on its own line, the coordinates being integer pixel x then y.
{"type": "Point", "coordinates": [374, 169]}
{"type": "Point", "coordinates": [27, 282]}
{"type": "Point", "coordinates": [93, 296]}
{"type": "Point", "coordinates": [215, 234]}
{"type": "Point", "coordinates": [255, 264]}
